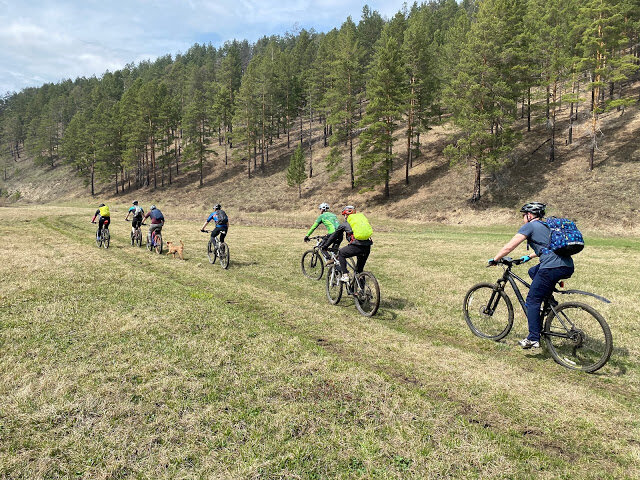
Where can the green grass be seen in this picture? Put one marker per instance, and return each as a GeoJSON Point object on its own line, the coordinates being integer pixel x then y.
{"type": "Point", "coordinates": [125, 364]}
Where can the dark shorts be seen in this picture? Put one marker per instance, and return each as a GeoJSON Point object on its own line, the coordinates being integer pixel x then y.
{"type": "Point", "coordinates": [136, 222]}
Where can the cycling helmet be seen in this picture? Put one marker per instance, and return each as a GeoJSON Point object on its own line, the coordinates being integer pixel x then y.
{"type": "Point", "coordinates": [153, 207]}
{"type": "Point", "coordinates": [135, 202]}
{"type": "Point", "coordinates": [348, 210]}
{"type": "Point", "coordinates": [101, 205]}
{"type": "Point", "coordinates": [536, 208]}
{"type": "Point", "coordinates": [217, 206]}
{"type": "Point", "coordinates": [324, 206]}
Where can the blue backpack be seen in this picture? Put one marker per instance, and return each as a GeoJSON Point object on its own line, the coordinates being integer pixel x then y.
{"type": "Point", "coordinates": [566, 239]}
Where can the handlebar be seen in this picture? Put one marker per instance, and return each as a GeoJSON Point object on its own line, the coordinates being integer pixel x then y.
{"type": "Point", "coordinates": [205, 231]}
{"type": "Point", "coordinates": [507, 261]}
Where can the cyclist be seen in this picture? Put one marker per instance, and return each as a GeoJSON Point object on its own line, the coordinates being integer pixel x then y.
{"type": "Point", "coordinates": [103, 217]}
{"type": "Point", "coordinates": [353, 226]}
{"type": "Point", "coordinates": [221, 220]}
{"type": "Point", "coordinates": [544, 276]}
{"type": "Point", "coordinates": [138, 212]}
{"type": "Point", "coordinates": [330, 220]}
{"type": "Point", "coordinates": [157, 220]}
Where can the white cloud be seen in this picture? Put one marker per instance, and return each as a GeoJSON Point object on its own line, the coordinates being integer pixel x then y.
{"type": "Point", "coordinates": [50, 40]}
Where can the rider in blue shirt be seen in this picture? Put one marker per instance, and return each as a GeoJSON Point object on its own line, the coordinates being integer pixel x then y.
{"type": "Point", "coordinates": [221, 221]}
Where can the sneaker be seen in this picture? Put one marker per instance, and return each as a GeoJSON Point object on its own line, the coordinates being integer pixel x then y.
{"type": "Point", "coordinates": [526, 344]}
{"type": "Point", "coordinates": [345, 278]}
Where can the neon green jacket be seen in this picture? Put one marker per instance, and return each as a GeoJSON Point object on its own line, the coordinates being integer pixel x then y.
{"type": "Point", "coordinates": [329, 220]}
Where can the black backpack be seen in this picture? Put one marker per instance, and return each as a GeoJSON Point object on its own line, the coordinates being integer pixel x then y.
{"type": "Point", "coordinates": [222, 218]}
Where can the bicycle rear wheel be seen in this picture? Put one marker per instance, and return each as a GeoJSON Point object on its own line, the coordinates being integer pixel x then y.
{"type": "Point", "coordinates": [333, 285]}
{"type": "Point", "coordinates": [158, 242]}
{"type": "Point", "coordinates": [367, 294]}
{"type": "Point", "coordinates": [106, 238]}
{"type": "Point", "coordinates": [488, 311]}
{"type": "Point", "coordinates": [212, 253]}
{"type": "Point", "coordinates": [224, 255]}
{"type": "Point", "coordinates": [312, 265]}
{"type": "Point", "coordinates": [578, 337]}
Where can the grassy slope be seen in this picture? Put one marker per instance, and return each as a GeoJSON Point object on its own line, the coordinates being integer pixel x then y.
{"type": "Point", "coordinates": [120, 363]}
{"type": "Point", "coordinates": [608, 197]}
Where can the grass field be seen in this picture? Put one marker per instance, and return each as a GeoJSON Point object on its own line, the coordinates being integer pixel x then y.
{"type": "Point", "coordinates": [122, 364]}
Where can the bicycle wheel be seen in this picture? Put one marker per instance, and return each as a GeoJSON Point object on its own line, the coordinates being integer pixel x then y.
{"type": "Point", "coordinates": [149, 244]}
{"type": "Point", "coordinates": [578, 337]}
{"type": "Point", "coordinates": [367, 294]}
{"type": "Point", "coordinates": [106, 240]}
{"type": "Point", "coordinates": [139, 238]}
{"type": "Point", "coordinates": [224, 255]}
{"type": "Point", "coordinates": [488, 311]}
{"type": "Point", "coordinates": [333, 285]}
{"type": "Point", "coordinates": [133, 238]}
{"type": "Point", "coordinates": [99, 239]}
{"type": "Point", "coordinates": [158, 241]}
{"type": "Point", "coordinates": [312, 265]}
{"type": "Point", "coordinates": [211, 252]}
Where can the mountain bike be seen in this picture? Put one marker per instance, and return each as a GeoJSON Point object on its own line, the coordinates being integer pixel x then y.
{"type": "Point", "coordinates": [313, 262]}
{"type": "Point", "coordinates": [217, 249]}
{"type": "Point", "coordinates": [154, 241]}
{"type": "Point", "coordinates": [136, 235]}
{"type": "Point", "coordinates": [363, 287]}
{"type": "Point", "coordinates": [576, 335]}
{"type": "Point", "coordinates": [103, 237]}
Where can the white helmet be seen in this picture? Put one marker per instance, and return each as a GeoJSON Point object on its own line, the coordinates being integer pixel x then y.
{"type": "Point", "coordinates": [324, 207]}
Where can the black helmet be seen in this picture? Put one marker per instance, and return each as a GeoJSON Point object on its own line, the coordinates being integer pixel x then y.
{"type": "Point", "coordinates": [135, 202]}
{"type": "Point", "coordinates": [101, 205]}
{"type": "Point", "coordinates": [217, 206]}
{"type": "Point", "coordinates": [536, 208]}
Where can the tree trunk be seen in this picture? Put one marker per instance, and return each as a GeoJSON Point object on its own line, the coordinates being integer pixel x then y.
{"type": "Point", "coordinates": [476, 184]}
{"type": "Point", "coordinates": [529, 109]}
{"type": "Point", "coordinates": [353, 183]}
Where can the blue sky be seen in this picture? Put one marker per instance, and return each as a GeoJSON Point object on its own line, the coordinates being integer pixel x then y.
{"type": "Point", "coordinates": [48, 41]}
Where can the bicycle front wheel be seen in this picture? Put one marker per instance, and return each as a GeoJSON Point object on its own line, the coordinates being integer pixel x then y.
{"type": "Point", "coordinates": [488, 311]}
{"type": "Point", "coordinates": [158, 241]}
{"type": "Point", "coordinates": [333, 285]}
{"type": "Point", "coordinates": [578, 337]}
{"type": "Point", "coordinates": [211, 252]}
{"type": "Point", "coordinates": [139, 239]}
{"type": "Point", "coordinates": [367, 294]}
{"type": "Point", "coordinates": [106, 238]}
{"type": "Point", "coordinates": [312, 265]}
{"type": "Point", "coordinates": [224, 255]}
{"type": "Point", "coordinates": [99, 239]}
{"type": "Point", "coordinates": [133, 239]}
{"type": "Point", "coordinates": [149, 244]}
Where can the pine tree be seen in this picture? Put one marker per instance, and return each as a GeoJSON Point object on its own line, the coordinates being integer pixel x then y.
{"type": "Point", "coordinates": [296, 174]}
{"type": "Point", "coordinates": [387, 99]}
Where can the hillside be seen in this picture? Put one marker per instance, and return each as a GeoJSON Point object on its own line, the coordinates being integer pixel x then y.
{"type": "Point", "coordinates": [608, 196]}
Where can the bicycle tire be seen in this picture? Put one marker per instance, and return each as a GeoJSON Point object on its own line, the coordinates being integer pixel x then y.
{"type": "Point", "coordinates": [333, 285]}
{"type": "Point", "coordinates": [312, 265]}
{"type": "Point", "coordinates": [139, 238]}
{"type": "Point", "coordinates": [99, 239]}
{"type": "Point", "coordinates": [367, 294]}
{"type": "Point", "coordinates": [158, 243]}
{"type": "Point", "coordinates": [106, 240]}
{"type": "Point", "coordinates": [224, 255]}
{"type": "Point", "coordinates": [588, 343]}
{"type": "Point", "coordinates": [133, 239]}
{"type": "Point", "coordinates": [211, 252]}
{"type": "Point", "coordinates": [149, 244]}
{"type": "Point", "coordinates": [482, 324]}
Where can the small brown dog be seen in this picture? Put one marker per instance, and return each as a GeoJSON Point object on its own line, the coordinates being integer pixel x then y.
{"type": "Point", "coordinates": [175, 248]}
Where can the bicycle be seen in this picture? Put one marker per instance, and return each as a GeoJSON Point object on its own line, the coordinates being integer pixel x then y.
{"type": "Point", "coordinates": [363, 287]}
{"type": "Point", "coordinates": [103, 237]}
{"type": "Point", "coordinates": [136, 235]}
{"type": "Point", "coordinates": [154, 241]}
{"type": "Point", "coordinates": [576, 335]}
{"type": "Point", "coordinates": [217, 249]}
{"type": "Point", "coordinates": [313, 262]}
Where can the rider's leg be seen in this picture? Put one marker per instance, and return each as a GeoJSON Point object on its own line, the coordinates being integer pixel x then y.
{"type": "Point", "coordinates": [362, 257]}
{"type": "Point", "coordinates": [223, 234]}
{"type": "Point", "coordinates": [542, 285]}
{"type": "Point", "coordinates": [100, 224]}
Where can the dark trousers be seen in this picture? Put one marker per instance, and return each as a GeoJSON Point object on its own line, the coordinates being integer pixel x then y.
{"type": "Point", "coordinates": [543, 282]}
{"type": "Point", "coordinates": [101, 221]}
{"type": "Point", "coordinates": [155, 227]}
{"type": "Point", "coordinates": [353, 250]}
{"type": "Point", "coordinates": [136, 222]}
{"type": "Point", "coordinates": [326, 245]}
{"type": "Point", "coordinates": [219, 230]}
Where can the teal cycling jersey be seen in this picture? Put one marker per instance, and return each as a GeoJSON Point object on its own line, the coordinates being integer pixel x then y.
{"type": "Point", "coordinates": [329, 220]}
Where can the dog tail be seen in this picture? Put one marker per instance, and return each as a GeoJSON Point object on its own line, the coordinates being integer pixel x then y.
{"type": "Point", "coordinates": [181, 243]}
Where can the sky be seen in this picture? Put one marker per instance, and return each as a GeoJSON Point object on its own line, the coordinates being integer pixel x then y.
{"type": "Point", "coordinates": [47, 41]}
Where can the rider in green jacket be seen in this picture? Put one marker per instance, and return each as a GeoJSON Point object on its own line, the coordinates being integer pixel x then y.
{"type": "Point", "coordinates": [330, 220]}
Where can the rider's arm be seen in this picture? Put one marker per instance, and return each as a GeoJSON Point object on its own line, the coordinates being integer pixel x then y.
{"type": "Point", "coordinates": [205, 225]}
{"type": "Point", "coordinates": [517, 239]}
{"type": "Point", "coordinates": [314, 226]}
